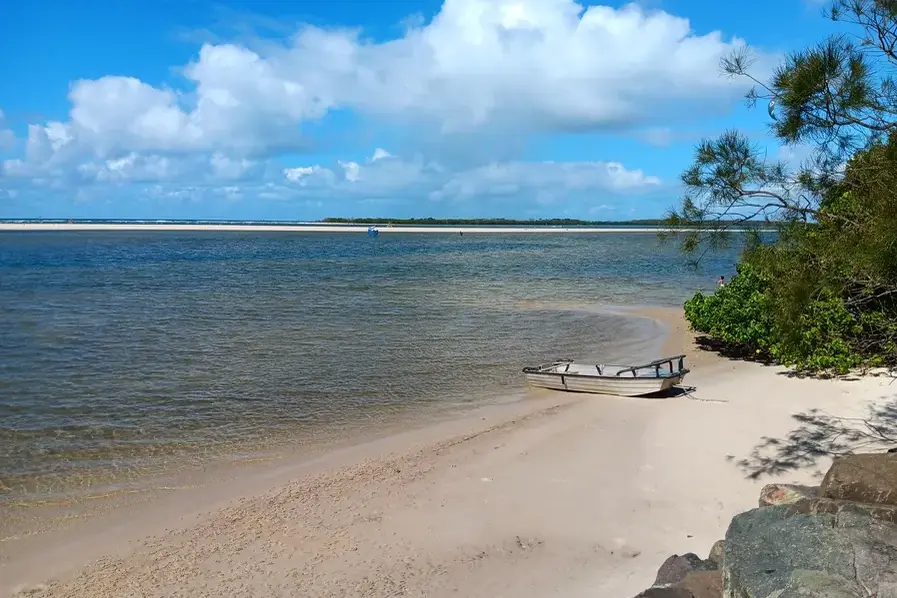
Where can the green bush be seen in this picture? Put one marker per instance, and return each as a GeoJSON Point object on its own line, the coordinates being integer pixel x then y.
{"type": "Point", "coordinates": [737, 315]}
{"type": "Point", "coordinates": [745, 319]}
{"type": "Point", "coordinates": [822, 294]}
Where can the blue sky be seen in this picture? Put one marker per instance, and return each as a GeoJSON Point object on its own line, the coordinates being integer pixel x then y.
{"type": "Point", "coordinates": [300, 110]}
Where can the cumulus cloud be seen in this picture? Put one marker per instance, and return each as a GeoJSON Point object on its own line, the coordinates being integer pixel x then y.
{"type": "Point", "coordinates": [491, 71]}
{"type": "Point", "coordinates": [531, 64]}
{"type": "Point", "coordinates": [380, 154]}
{"type": "Point", "coordinates": [543, 181]}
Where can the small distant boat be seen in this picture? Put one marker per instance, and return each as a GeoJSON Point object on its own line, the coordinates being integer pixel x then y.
{"type": "Point", "coordinates": [609, 379]}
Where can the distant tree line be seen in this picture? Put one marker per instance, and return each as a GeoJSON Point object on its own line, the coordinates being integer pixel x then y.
{"type": "Point", "coordinates": [503, 222]}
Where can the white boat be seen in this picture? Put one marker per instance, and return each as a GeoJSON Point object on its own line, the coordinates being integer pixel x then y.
{"type": "Point", "coordinates": [609, 379]}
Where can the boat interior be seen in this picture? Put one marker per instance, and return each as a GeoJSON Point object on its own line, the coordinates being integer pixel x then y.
{"type": "Point", "coordinates": [656, 369]}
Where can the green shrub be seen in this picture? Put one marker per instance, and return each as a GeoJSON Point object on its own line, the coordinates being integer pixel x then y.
{"type": "Point", "coordinates": [736, 315]}
{"type": "Point", "coordinates": [745, 318]}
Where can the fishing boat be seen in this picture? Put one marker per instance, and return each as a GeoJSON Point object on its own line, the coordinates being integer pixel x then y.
{"type": "Point", "coordinates": [609, 379]}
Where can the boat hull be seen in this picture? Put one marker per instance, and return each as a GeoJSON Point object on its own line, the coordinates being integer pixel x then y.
{"type": "Point", "coordinates": [627, 387]}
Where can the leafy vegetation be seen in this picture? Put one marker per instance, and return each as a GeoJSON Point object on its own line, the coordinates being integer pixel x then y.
{"type": "Point", "coordinates": [822, 293]}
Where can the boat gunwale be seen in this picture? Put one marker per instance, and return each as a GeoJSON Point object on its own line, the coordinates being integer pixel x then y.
{"type": "Point", "coordinates": [538, 370]}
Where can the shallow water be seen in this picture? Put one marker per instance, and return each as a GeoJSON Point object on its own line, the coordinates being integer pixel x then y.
{"type": "Point", "coordinates": [126, 354]}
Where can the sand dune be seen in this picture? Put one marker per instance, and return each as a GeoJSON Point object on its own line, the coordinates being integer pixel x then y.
{"type": "Point", "coordinates": [556, 496]}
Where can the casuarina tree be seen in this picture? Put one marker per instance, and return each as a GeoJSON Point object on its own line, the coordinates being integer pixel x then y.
{"type": "Point", "coordinates": [823, 287]}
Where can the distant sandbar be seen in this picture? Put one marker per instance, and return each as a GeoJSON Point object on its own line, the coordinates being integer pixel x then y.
{"type": "Point", "coordinates": [317, 228]}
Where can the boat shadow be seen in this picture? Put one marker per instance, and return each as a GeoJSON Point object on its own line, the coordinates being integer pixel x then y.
{"type": "Point", "coordinates": [671, 393]}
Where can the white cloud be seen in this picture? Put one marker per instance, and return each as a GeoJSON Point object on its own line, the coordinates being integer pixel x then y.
{"type": "Point", "coordinates": [351, 170]}
{"type": "Point", "coordinates": [467, 87]}
{"type": "Point", "coordinates": [515, 64]}
{"type": "Point", "coordinates": [380, 154]}
{"type": "Point", "coordinates": [543, 181]}
{"type": "Point", "coordinates": [301, 173]}
{"type": "Point", "coordinates": [547, 181]}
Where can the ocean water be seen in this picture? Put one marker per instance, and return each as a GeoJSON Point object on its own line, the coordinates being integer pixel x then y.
{"type": "Point", "coordinates": [124, 354]}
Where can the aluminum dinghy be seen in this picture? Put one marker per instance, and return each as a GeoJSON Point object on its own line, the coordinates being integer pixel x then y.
{"type": "Point", "coordinates": [609, 379]}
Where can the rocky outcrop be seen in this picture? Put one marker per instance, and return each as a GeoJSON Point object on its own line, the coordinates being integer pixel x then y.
{"type": "Point", "coordinates": [674, 569]}
{"type": "Point", "coordinates": [838, 540]}
{"type": "Point", "coordinates": [868, 478]}
{"type": "Point", "coordinates": [688, 576]}
{"type": "Point", "coordinates": [776, 552]}
{"type": "Point", "coordinates": [786, 494]}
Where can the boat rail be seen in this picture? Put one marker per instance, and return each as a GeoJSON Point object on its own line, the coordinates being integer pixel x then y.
{"type": "Point", "coordinates": [655, 365]}
{"type": "Point", "coordinates": [533, 369]}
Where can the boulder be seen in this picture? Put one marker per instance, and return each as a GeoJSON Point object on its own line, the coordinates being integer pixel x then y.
{"type": "Point", "coordinates": [776, 552]}
{"type": "Point", "coordinates": [674, 569]}
{"type": "Point", "coordinates": [869, 477]}
{"type": "Point", "coordinates": [703, 584]}
{"type": "Point", "coordinates": [814, 506]}
{"type": "Point", "coordinates": [786, 494]}
{"type": "Point", "coordinates": [716, 552]}
{"type": "Point", "coordinates": [666, 593]}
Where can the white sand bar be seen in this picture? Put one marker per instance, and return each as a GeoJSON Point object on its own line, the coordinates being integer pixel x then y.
{"type": "Point", "coordinates": [317, 228]}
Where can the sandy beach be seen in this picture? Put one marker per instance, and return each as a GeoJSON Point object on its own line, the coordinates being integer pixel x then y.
{"type": "Point", "coordinates": [557, 495]}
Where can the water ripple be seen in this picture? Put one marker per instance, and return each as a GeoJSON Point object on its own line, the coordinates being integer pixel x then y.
{"type": "Point", "coordinates": [124, 353]}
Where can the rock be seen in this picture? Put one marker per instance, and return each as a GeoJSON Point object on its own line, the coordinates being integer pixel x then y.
{"type": "Point", "coordinates": [674, 569]}
{"type": "Point", "coordinates": [786, 494]}
{"type": "Point", "coordinates": [777, 552]}
{"type": "Point", "coordinates": [869, 477]}
{"type": "Point", "coordinates": [716, 552]}
{"type": "Point", "coordinates": [666, 593]}
{"type": "Point", "coordinates": [703, 584]}
{"type": "Point", "coordinates": [814, 506]}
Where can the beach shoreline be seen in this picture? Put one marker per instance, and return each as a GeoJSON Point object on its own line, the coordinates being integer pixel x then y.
{"type": "Point", "coordinates": [320, 228]}
{"type": "Point", "coordinates": [558, 494]}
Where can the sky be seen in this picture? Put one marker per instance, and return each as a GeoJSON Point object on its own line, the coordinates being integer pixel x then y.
{"type": "Point", "coordinates": [300, 110]}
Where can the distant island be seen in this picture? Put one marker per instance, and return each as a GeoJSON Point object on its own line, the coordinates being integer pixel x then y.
{"type": "Point", "coordinates": [398, 222]}
{"type": "Point", "coordinates": [512, 222]}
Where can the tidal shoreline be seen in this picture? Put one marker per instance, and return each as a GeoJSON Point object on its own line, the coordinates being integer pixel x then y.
{"type": "Point", "coordinates": [321, 228]}
{"type": "Point", "coordinates": [553, 495]}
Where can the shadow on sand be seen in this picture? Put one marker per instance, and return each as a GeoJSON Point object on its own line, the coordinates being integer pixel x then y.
{"type": "Point", "coordinates": [819, 435]}
{"type": "Point", "coordinates": [671, 393]}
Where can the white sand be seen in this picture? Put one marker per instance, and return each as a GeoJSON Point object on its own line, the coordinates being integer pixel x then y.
{"type": "Point", "coordinates": [313, 228]}
{"type": "Point", "coordinates": [558, 496]}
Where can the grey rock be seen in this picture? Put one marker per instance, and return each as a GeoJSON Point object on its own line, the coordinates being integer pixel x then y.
{"type": "Point", "coordinates": [666, 593]}
{"type": "Point", "coordinates": [869, 477]}
{"type": "Point", "coordinates": [716, 552]}
{"type": "Point", "coordinates": [674, 569]}
{"type": "Point", "coordinates": [776, 552]}
{"type": "Point", "coordinates": [813, 506]}
{"type": "Point", "coordinates": [703, 584]}
{"type": "Point", "coordinates": [786, 494]}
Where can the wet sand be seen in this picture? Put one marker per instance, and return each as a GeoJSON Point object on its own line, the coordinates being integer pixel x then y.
{"type": "Point", "coordinates": [556, 495]}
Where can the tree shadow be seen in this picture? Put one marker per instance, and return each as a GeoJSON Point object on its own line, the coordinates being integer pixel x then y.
{"type": "Point", "coordinates": [820, 435]}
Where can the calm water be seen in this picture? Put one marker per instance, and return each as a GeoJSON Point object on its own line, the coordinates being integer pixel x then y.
{"type": "Point", "coordinates": [123, 353]}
